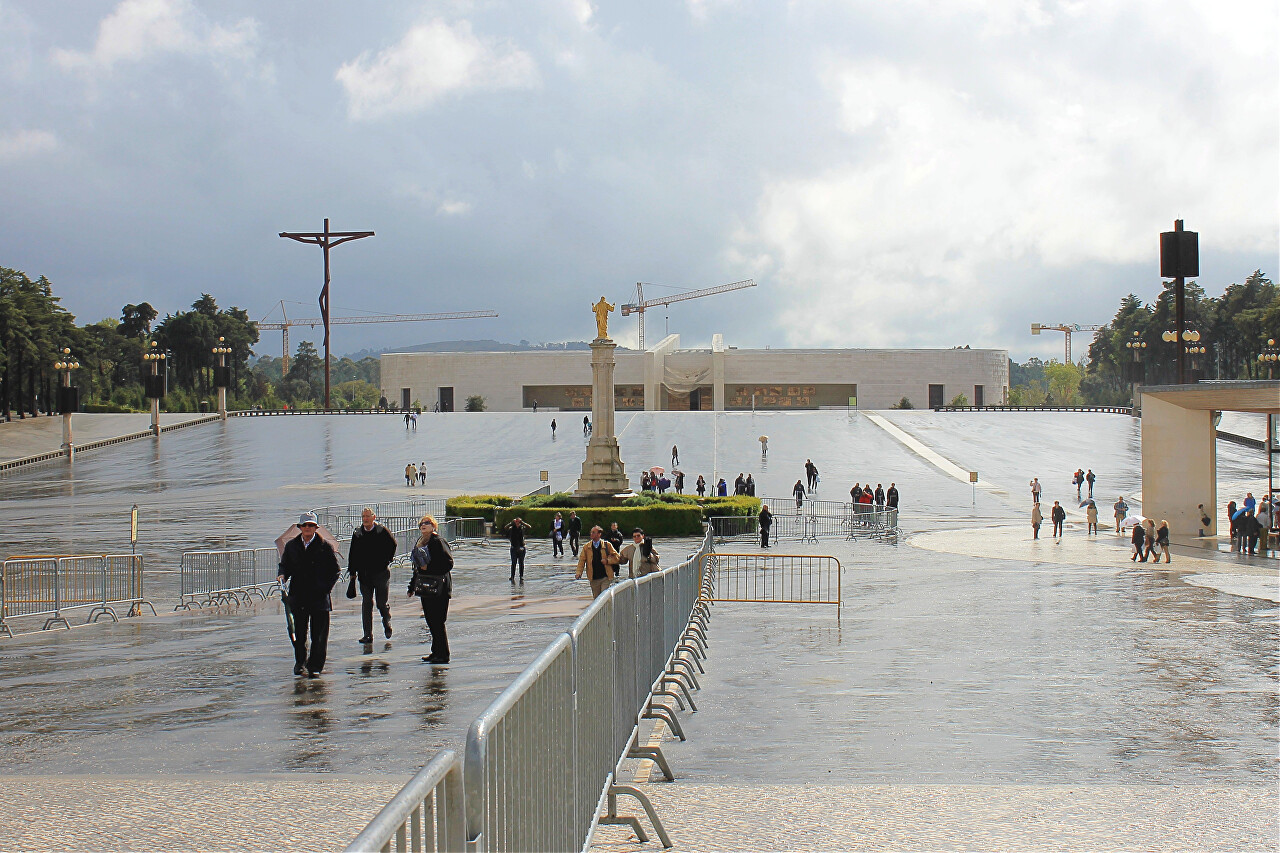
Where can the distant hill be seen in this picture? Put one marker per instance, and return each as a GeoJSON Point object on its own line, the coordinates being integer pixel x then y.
{"type": "Point", "coordinates": [474, 346]}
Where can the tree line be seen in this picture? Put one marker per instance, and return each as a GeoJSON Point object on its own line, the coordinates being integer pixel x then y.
{"type": "Point", "coordinates": [35, 329]}
{"type": "Point", "coordinates": [1234, 328]}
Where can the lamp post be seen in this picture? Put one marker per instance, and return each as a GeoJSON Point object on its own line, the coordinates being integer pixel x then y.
{"type": "Point", "coordinates": [1136, 345]}
{"type": "Point", "coordinates": [155, 383]}
{"type": "Point", "coordinates": [1269, 356]}
{"type": "Point", "coordinates": [220, 377]}
{"type": "Point", "coordinates": [1189, 346]}
{"type": "Point", "coordinates": [68, 397]}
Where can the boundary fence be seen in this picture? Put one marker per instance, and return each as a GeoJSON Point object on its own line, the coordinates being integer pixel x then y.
{"type": "Point", "coordinates": [50, 586]}
{"type": "Point", "coordinates": [1112, 410]}
{"type": "Point", "coordinates": [209, 578]}
{"type": "Point", "coordinates": [102, 442]}
{"type": "Point", "coordinates": [833, 520]}
{"type": "Point", "coordinates": [342, 520]}
{"type": "Point", "coordinates": [770, 578]}
{"type": "Point", "coordinates": [541, 761]}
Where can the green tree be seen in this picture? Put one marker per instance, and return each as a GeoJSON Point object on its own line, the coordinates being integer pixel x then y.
{"type": "Point", "coordinates": [475, 403]}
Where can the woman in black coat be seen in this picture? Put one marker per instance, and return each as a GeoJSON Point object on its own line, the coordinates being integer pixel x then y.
{"type": "Point", "coordinates": [432, 582]}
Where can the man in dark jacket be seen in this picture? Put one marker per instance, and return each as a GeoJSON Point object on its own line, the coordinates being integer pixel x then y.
{"type": "Point", "coordinates": [1058, 515]}
{"type": "Point", "coordinates": [575, 532]}
{"type": "Point", "coordinates": [514, 531]}
{"type": "Point", "coordinates": [891, 496]}
{"type": "Point", "coordinates": [372, 550]}
{"type": "Point", "coordinates": [310, 567]}
{"type": "Point", "coordinates": [766, 523]}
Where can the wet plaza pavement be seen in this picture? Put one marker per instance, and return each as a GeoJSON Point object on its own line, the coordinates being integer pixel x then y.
{"type": "Point", "coordinates": [951, 664]}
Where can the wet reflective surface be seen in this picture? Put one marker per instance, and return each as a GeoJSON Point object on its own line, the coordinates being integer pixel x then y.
{"type": "Point", "coordinates": [943, 667]}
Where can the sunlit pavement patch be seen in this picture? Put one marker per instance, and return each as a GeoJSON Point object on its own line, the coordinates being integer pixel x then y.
{"type": "Point", "coordinates": [1249, 586]}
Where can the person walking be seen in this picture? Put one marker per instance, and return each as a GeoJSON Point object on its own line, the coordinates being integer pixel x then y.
{"type": "Point", "coordinates": [675, 456]}
{"type": "Point", "coordinates": [679, 475]}
{"type": "Point", "coordinates": [410, 474]}
{"type": "Point", "coordinates": [514, 531]}
{"type": "Point", "coordinates": [432, 582]}
{"type": "Point", "coordinates": [701, 486]}
{"type": "Point", "coordinates": [641, 558]}
{"type": "Point", "coordinates": [1035, 490]}
{"type": "Point", "coordinates": [558, 531]}
{"type": "Point", "coordinates": [309, 567]}
{"type": "Point", "coordinates": [808, 473]}
{"type": "Point", "coordinates": [553, 427]}
{"type": "Point", "coordinates": [798, 491]}
{"type": "Point", "coordinates": [1078, 479]}
{"type": "Point", "coordinates": [575, 531]}
{"type": "Point", "coordinates": [1090, 478]}
{"type": "Point", "coordinates": [614, 536]}
{"type": "Point", "coordinates": [764, 446]}
{"type": "Point", "coordinates": [406, 419]}
{"type": "Point", "coordinates": [1037, 518]}
{"type": "Point", "coordinates": [1058, 515]}
{"type": "Point", "coordinates": [1137, 539]}
{"type": "Point", "coordinates": [1121, 510]}
{"type": "Point", "coordinates": [586, 425]}
{"type": "Point", "coordinates": [422, 473]}
{"type": "Point", "coordinates": [1162, 541]}
{"type": "Point", "coordinates": [1091, 516]}
{"type": "Point", "coordinates": [598, 558]}
{"type": "Point", "coordinates": [1149, 532]}
{"type": "Point", "coordinates": [535, 406]}
{"type": "Point", "coordinates": [369, 562]}
{"type": "Point", "coordinates": [766, 524]}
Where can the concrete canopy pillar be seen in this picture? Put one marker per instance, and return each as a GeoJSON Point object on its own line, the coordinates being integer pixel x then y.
{"type": "Point", "coordinates": [1179, 466]}
{"type": "Point", "coordinates": [655, 371]}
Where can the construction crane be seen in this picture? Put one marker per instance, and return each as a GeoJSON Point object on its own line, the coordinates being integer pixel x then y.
{"type": "Point", "coordinates": [368, 318]}
{"type": "Point", "coordinates": [638, 307]}
{"type": "Point", "coordinates": [1066, 329]}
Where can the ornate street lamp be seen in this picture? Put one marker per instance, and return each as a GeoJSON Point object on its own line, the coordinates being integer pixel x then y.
{"type": "Point", "coordinates": [221, 376]}
{"type": "Point", "coordinates": [1191, 347]}
{"type": "Point", "coordinates": [1136, 345]}
{"type": "Point", "coordinates": [1269, 356]}
{"type": "Point", "coordinates": [155, 383]}
{"type": "Point", "coordinates": [68, 397]}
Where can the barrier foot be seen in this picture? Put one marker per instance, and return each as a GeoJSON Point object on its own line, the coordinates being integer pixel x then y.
{"type": "Point", "coordinates": [662, 712]}
{"type": "Point", "coordinates": [654, 754]}
{"type": "Point", "coordinates": [98, 612]}
{"type": "Point", "coordinates": [615, 790]}
{"type": "Point", "coordinates": [4, 629]}
{"type": "Point", "coordinates": [633, 822]}
{"type": "Point", "coordinates": [54, 620]}
{"type": "Point", "coordinates": [679, 701]}
{"type": "Point", "coordinates": [688, 698]}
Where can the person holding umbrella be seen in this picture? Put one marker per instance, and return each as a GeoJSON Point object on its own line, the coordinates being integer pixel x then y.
{"type": "Point", "coordinates": [432, 582]}
{"type": "Point", "coordinates": [309, 566]}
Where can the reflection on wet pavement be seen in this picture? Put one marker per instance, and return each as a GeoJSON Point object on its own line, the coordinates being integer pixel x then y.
{"type": "Point", "coordinates": [945, 667]}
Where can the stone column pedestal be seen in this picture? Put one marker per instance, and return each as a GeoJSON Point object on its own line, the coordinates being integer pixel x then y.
{"type": "Point", "coordinates": [603, 474]}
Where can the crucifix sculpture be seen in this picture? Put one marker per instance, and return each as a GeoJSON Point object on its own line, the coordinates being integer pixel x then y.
{"type": "Point", "coordinates": [326, 240]}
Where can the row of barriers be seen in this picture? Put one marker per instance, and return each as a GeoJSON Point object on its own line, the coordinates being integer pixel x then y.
{"type": "Point", "coordinates": [541, 761]}
{"type": "Point", "coordinates": [342, 520]}
{"type": "Point", "coordinates": [851, 524]}
{"type": "Point", "coordinates": [210, 578]}
{"type": "Point", "coordinates": [51, 586]}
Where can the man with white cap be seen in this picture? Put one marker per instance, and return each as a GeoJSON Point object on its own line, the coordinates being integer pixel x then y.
{"type": "Point", "coordinates": [310, 567]}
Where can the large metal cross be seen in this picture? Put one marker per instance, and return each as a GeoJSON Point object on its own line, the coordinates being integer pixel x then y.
{"type": "Point", "coordinates": [326, 240]}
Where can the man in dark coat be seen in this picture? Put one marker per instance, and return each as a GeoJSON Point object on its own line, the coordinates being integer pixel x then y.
{"type": "Point", "coordinates": [514, 531]}
{"type": "Point", "coordinates": [766, 522]}
{"type": "Point", "coordinates": [1057, 515]}
{"type": "Point", "coordinates": [310, 567]}
{"type": "Point", "coordinates": [575, 532]}
{"type": "Point", "coordinates": [369, 559]}
{"type": "Point", "coordinates": [891, 496]}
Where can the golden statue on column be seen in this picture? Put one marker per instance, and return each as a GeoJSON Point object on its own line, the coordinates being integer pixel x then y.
{"type": "Point", "coordinates": [602, 309]}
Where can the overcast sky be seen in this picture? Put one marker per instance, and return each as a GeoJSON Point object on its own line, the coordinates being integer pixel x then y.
{"type": "Point", "coordinates": [911, 173]}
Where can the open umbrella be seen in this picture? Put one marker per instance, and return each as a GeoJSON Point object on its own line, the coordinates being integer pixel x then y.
{"type": "Point", "coordinates": [1087, 502]}
{"type": "Point", "coordinates": [293, 532]}
{"type": "Point", "coordinates": [1132, 521]}
{"type": "Point", "coordinates": [657, 470]}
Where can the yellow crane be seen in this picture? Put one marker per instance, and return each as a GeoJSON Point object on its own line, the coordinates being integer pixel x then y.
{"type": "Point", "coordinates": [1066, 329]}
{"type": "Point", "coordinates": [367, 318]}
{"type": "Point", "coordinates": [638, 307]}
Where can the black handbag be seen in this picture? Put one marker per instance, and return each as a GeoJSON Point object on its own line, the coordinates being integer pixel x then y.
{"type": "Point", "coordinates": [351, 587]}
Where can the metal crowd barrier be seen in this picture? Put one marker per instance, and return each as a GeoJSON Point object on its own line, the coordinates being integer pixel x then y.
{"type": "Point", "coordinates": [541, 760]}
{"type": "Point", "coordinates": [341, 520]}
{"type": "Point", "coordinates": [850, 521]}
{"type": "Point", "coordinates": [209, 578]}
{"type": "Point", "coordinates": [49, 586]}
{"type": "Point", "coordinates": [772, 578]}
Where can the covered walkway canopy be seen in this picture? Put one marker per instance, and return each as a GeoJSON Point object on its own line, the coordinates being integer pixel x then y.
{"type": "Point", "coordinates": [1179, 445]}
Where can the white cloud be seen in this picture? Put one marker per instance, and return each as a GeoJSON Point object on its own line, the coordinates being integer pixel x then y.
{"type": "Point", "coordinates": [139, 29]}
{"type": "Point", "coordinates": [18, 144]}
{"type": "Point", "coordinates": [454, 207]}
{"type": "Point", "coordinates": [582, 10]}
{"type": "Point", "coordinates": [954, 178]}
{"type": "Point", "coordinates": [433, 60]}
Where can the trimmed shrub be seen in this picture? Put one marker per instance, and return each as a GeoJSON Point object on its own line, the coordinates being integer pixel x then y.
{"type": "Point", "coordinates": [475, 506]}
{"type": "Point", "coordinates": [730, 505]}
{"type": "Point", "coordinates": [660, 520]}
{"type": "Point", "coordinates": [564, 500]}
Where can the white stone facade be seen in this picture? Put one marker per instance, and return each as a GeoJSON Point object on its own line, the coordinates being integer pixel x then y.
{"type": "Point", "coordinates": [666, 377]}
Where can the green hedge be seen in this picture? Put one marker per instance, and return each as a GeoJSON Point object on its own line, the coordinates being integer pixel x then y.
{"type": "Point", "coordinates": [475, 506]}
{"type": "Point", "coordinates": [739, 505]}
{"type": "Point", "coordinates": [659, 521]}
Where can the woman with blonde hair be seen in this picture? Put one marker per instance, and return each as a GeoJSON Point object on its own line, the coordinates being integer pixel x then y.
{"type": "Point", "coordinates": [1162, 541]}
{"type": "Point", "coordinates": [432, 582]}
